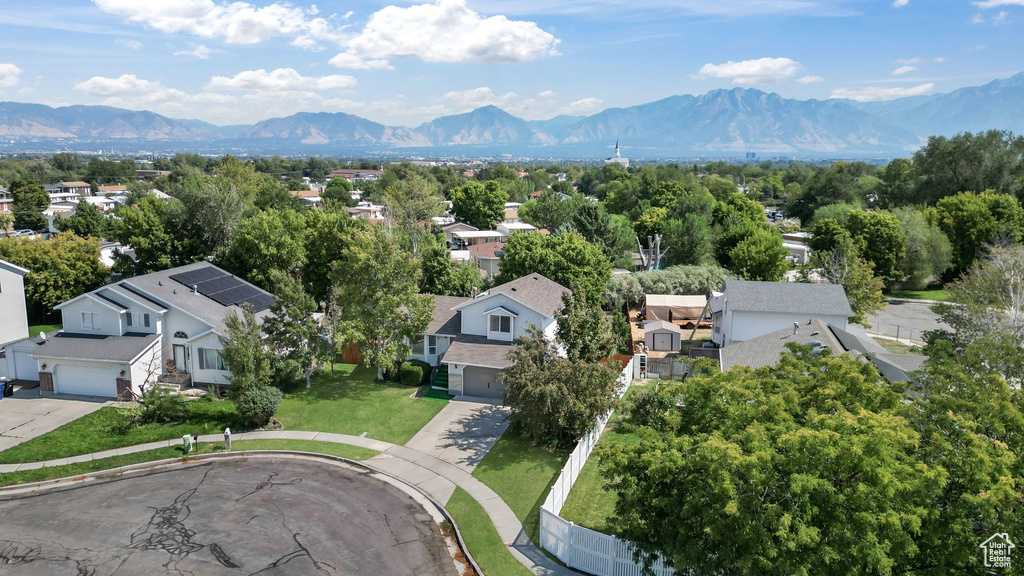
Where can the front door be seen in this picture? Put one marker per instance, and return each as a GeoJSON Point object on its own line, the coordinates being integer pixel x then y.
{"type": "Point", "coordinates": [180, 359]}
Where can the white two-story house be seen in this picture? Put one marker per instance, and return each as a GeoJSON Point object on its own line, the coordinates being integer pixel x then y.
{"type": "Point", "coordinates": [470, 338]}
{"type": "Point", "coordinates": [745, 310]}
{"type": "Point", "coordinates": [125, 336]}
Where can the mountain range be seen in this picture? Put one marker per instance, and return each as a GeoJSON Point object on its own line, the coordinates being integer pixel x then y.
{"type": "Point", "coordinates": [721, 121]}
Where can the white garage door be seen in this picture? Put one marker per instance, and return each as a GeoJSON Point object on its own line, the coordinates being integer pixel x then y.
{"type": "Point", "coordinates": [662, 341]}
{"type": "Point", "coordinates": [482, 382]}
{"type": "Point", "coordinates": [25, 367]}
{"type": "Point", "coordinates": [85, 380]}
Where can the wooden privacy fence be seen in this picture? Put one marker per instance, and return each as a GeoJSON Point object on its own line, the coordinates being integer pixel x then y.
{"type": "Point", "coordinates": [667, 368]}
{"type": "Point", "coordinates": [579, 547]}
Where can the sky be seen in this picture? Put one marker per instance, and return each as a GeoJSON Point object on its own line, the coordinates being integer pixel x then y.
{"type": "Point", "coordinates": [406, 62]}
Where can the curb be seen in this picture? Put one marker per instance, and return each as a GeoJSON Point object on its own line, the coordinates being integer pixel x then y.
{"type": "Point", "coordinates": [21, 490]}
{"type": "Point", "coordinates": [912, 301]}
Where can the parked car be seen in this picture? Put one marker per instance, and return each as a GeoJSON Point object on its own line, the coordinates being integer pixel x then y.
{"type": "Point", "coordinates": [26, 233]}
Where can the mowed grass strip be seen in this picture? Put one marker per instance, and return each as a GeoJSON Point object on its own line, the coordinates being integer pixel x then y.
{"type": "Point", "coordinates": [482, 538]}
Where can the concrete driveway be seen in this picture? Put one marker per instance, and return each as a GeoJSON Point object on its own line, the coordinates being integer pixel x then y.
{"type": "Point", "coordinates": [905, 320]}
{"type": "Point", "coordinates": [27, 415]}
{"type": "Point", "coordinates": [268, 515]}
{"type": "Point", "coordinates": [463, 432]}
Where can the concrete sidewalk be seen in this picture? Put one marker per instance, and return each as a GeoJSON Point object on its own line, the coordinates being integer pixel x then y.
{"type": "Point", "coordinates": [430, 474]}
{"type": "Point", "coordinates": [463, 432]}
{"type": "Point", "coordinates": [27, 414]}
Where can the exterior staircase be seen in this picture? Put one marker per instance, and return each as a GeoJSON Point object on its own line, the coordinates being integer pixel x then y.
{"type": "Point", "coordinates": [440, 381]}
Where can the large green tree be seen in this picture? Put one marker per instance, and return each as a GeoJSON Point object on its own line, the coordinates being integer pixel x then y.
{"type": "Point", "coordinates": [146, 227]}
{"type": "Point", "coordinates": [971, 221]}
{"type": "Point", "coordinates": [583, 330]}
{"type": "Point", "coordinates": [551, 211]}
{"type": "Point", "coordinates": [444, 277]}
{"type": "Point", "coordinates": [565, 258]}
{"type": "Point", "coordinates": [246, 352]}
{"type": "Point", "coordinates": [480, 205]}
{"type": "Point", "coordinates": [270, 241]}
{"type": "Point", "coordinates": [328, 234]}
{"type": "Point", "coordinates": [292, 330]}
{"type": "Point", "coordinates": [378, 297]}
{"type": "Point", "coordinates": [880, 240]}
{"type": "Point", "coordinates": [761, 256]}
{"type": "Point", "coordinates": [410, 204]}
{"type": "Point", "coordinates": [58, 269]}
{"type": "Point", "coordinates": [87, 221]}
{"type": "Point", "coordinates": [928, 251]}
{"type": "Point", "coordinates": [29, 202]}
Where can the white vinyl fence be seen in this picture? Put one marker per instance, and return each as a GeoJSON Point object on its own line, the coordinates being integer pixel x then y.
{"type": "Point", "coordinates": [579, 547]}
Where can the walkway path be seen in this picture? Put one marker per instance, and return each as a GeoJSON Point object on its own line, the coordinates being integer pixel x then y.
{"type": "Point", "coordinates": [432, 475]}
{"type": "Point", "coordinates": [27, 415]}
{"type": "Point", "coordinates": [463, 432]}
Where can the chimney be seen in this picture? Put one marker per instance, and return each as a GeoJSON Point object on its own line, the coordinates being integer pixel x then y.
{"type": "Point", "coordinates": [796, 328]}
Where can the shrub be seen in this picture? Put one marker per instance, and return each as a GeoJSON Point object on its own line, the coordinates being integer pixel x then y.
{"type": "Point", "coordinates": [425, 366]}
{"type": "Point", "coordinates": [410, 374]}
{"type": "Point", "coordinates": [256, 405]}
{"type": "Point", "coordinates": [160, 405]}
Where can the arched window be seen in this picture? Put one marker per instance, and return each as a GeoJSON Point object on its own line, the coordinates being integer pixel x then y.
{"type": "Point", "coordinates": [180, 334]}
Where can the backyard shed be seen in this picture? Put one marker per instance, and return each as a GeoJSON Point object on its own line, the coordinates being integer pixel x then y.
{"type": "Point", "coordinates": [675, 308]}
{"type": "Point", "coordinates": [663, 336]}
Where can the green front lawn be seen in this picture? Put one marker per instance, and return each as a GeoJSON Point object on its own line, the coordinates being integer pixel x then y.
{"type": "Point", "coordinates": [41, 474]}
{"type": "Point", "coordinates": [97, 432]}
{"type": "Point", "coordinates": [895, 347]}
{"type": "Point", "coordinates": [589, 503]}
{"type": "Point", "coordinates": [937, 295]}
{"type": "Point", "coordinates": [522, 474]}
{"type": "Point", "coordinates": [351, 403]}
{"type": "Point", "coordinates": [35, 329]}
{"type": "Point", "coordinates": [481, 537]}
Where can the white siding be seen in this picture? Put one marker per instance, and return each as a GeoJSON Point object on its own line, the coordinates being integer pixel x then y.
{"type": "Point", "coordinates": [110, 320]}
{"type": "Point", "coordinates": [175, 321]}
{"type": "Point", "coordinates": [748, 325]}
{"type": "Point", "coordinates": [475, 322]}
{"type": "Point", "coordinates": [13, 318]}
{"type": "Point", "coordinates": [147, 369]}
{"type": "Point", "coordinates": [208, 376]}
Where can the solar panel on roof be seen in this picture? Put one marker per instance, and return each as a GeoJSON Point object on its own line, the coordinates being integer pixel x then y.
{"type": "Point", "coordinates": [261, 302]}
{"type": "Point", "coordinates": [235, 295]}
{"type": "Point", "coordinates": [216, 285]}
{"type": "Point", "coordinates": [198, 275]}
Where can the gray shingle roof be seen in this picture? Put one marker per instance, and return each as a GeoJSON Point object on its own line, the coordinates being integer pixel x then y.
{"type": "Point", "coordinates": [478, 351]}
{"type": "Point", "coordinates": [444, 320]}
{"type": "Point", "coordinates": [536, 291]}
{"type": "Point", "coordinates": [787, 297]}
{"type": "Point", "coordinates": [162, 290]}
{"type": "Point", "coordinates": [95, 347]}
{"type": "Point", "coordinates": [767, 350]}
{"type": "Point", "coordinates": [653, 325]}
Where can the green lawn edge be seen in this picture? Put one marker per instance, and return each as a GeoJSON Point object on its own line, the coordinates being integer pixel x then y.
{"type": "Point", "coordinates": [54, 472]}
{"type": "Point", "coordinates": [936, 295]}
{"type": "Point", "coordinates": [481, 537]}
{"type": "Point", "coordinates": [35, 329]}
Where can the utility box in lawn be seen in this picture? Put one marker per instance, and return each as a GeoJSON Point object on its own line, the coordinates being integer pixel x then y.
{"type": "Point", "coordinates": [186, 441]}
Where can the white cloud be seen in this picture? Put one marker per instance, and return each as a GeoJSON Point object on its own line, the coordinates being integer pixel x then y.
{"type": "Point", "coordinates": [354, 62]}
{"type": "Point", "coordinates": [903, 70]}
{"type": "Point", "coordinates": [908, 61]}
{"type": "Point", "coordinates": [546, 94]}
{"type": "Point", "coordinates": [984, 4]}
{"type": "Point", "coordinates": [810, 79]}
{"type": "Point", "coordinates": [130, 91]}
{"type": "Point", "coordinates": [235, 22]}
{"type": "Point", "coordinates": [1000, 18]}
{"type": "Point", "coordinates": [900, 3]}
{"type": "Point", "coordinates": [197, 51]}
{"type": "Point", "coordinates": [447, 31]}
{"type": "Point", "coordinates": [938, 60]}
{"type": "Point", "coordinates": [9, 75]}
{"type": "Point", "coordinates": [281, 79]}
{"type": "Point", "coordinates": [757, 71]}
{"type": "Point", "coordinates": [129, 44]}
{"type": "Point", "coordinates": [478, 97]}
{"type": "Point", "coordinates": [583, 106]}
{"type": "Point", "coordinates": [876, 94]}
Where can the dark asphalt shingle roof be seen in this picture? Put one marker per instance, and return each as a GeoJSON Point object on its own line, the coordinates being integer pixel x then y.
{"type": "Point", "coordinates": [95, 347]}
{"type": "Point", "coordinates": [444, 320]}
{"type": "Point", "coordinates": [536, 291]}
{"type": "Point", "coordinates": [767, 350]}
{"type": "Point", "coordinates": [478, 351]}
{"type": "Point", "coordinates": [787, 297]}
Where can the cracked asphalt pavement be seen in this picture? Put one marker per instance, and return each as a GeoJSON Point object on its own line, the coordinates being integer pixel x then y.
{"type": "Point", "coordinates": [236, 516]}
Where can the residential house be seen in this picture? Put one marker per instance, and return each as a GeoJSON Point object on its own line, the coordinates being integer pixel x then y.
{"type": "Point", "coordinates": [367, 211]}
{"type": "Point", "coordinates": [6, 200]}
{"type": "Point", "coordinates": [465, 238]}
{"type": "Point", "coordinates": [150, 175]}
{"type": "Point", "coordinates": [113, 190]}
{"type": "Point", "coordinates": [309, 198]}
{"type": "Point", "coordinates": [822, 338]}
{"type": "Point", "coordinates": [487, 257]}
{"type": "Point", "coordinates": [356, 175]}
{"type": "Point", "coordinates": [64, 192]}
{"type": "Point", "coordinates": [449, 229]}
{"type": "Point", "coordinates": [165, 325]}
{"type": "Point", "coordinates": [746, 309]}
{"type": "Point", "coordinates": [470, 338]}
{"type": "Point", "coordinates": [512, 212]}
{"type": "Point", "coordinates": [14, 322]}
{"type": "Point", "coordinates": [507, 228]}
{"type": "Point", "coordinates": [102, 203]}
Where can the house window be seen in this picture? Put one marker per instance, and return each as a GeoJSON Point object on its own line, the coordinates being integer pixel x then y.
{"type": "Point", "coordinates": [431, 345]}
{"type": "Point", "coordinates": [210, 359]}
{"type": "Point", "coordinates": [141, 320]}
{"type": "Point", "coordinates": [180, 334]}
{"type": "Point", "coordinates": [90, 321]}
{"type": "Point", "coordinates": [417, 347]}
{"type": "Point", "coordinates": [501, 324]}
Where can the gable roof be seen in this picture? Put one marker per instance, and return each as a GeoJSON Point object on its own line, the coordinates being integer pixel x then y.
{"type": "Point", "coordinates": [661, 325]}
{"type": "Point", "coordinates": [787, 297]}
{"type": "Point", "coordinates": [4, 264]}
{"type": "Point", "coordinates": [533, 290]}
{"type": "Point", "coordinates": [95, 347]}
{"type": "Point", "coordinates": [444, 320]}
{"type": "Point", "coordinates": [487, 249]}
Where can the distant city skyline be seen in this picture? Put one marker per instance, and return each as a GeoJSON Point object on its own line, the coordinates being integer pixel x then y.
{"type": "Point", "coordinates": [230, 62]}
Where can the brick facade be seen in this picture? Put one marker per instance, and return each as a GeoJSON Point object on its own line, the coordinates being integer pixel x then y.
{"type": "Point", "coordinates": [46, 381]}
{"type": "Point", "coordinates": [124, 388]}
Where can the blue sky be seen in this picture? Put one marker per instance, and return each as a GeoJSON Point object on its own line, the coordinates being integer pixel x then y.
{"type": "Point", "coordinates": [231, 62]}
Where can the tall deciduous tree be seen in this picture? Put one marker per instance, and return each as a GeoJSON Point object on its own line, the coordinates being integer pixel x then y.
{"type": "Point", "coordinates": [760, 257]}
{"type": "Point", "coordinates": [144, 227]}
{"type": "Point", "coordinates": [583, 330]}
{"type": "Point", "coordinates": [328, 233]}
{"type": "Point", "coordinates": [565, 258]}
{"type": "Point", "coordinates": [29, 202]}
{"type": "Point", "coordinates": [971, 221]}
{"type": "Point", "coordinates": [481, 205]}
{"type": "Point", "coordinates": [87, 221]}
{"type": "Point", "coordinates": [379, 299]}
{"type": "Point", "coordinates": [551, 211]}
{"type": "Point", "coordinates": [411, 203]}
{"type": "Point", "coordinates": [270, 241]}
{"type": "Point", "coordinates": [443, 277]}
{"type": "Point", "coordinates": [58, 269]}
{"type": "Point", "coordinates": [246, 352]}
{"type": "Point", "coordinates": [880, 240]}
{"type": "Point", "coordinates": [989, 299]}
{"type": "Point", "coordinates": [291, 329]}
{"type": "Point", "coordinates": [841, 264]}
{"type": "Point", "coordinates": [928, 252]}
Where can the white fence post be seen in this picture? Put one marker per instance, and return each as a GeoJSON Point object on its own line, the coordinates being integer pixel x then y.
{"type": "Point", "coordinates": [580, 547]}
